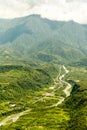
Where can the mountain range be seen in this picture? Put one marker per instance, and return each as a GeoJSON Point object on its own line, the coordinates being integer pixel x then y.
{"type": "Point", "coordinates": [43, 40]}
{"type": "Point", "coordinates": [43, 74]}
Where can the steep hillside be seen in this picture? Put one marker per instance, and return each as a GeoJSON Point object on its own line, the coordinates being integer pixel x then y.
{"type": "Point", "coordinates": [71, 114]}
{"type": "Point", "coordinates": [16, 80]}
{"type": "Point", "coordinates": [42, 40]}
{"type": "Point", "coordinates": [76, 104]}
{"type": "Point", "coordinates": [22, 85]}
{"type": "Point", "coordinates": [43, 74]}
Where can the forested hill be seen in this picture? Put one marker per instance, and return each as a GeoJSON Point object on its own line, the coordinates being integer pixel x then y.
{"type": "Point", "coordinates": [42, 39]}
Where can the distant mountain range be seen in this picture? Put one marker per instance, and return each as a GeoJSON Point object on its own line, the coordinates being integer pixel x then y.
{"type": "Point", "coordinates": [42, 40]}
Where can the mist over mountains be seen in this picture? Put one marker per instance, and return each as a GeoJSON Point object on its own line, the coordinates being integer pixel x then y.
{"type": "Point", "coordinates": [42, 39]}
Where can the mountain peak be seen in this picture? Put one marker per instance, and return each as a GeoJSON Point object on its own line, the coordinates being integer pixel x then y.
{"type": "Point", "coordinates": [56, 40]}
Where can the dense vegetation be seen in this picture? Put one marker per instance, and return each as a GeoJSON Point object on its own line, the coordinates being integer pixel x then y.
{"type": "Point", "coordinates": [19, 83]}
{"type": "Point", "coordinates": [77, 102]}
{"type": "Point", "coordinates": [32, 53]}
{"type": "Point", "coordinates": [33, 83]}
{"type": "Point", "coordinates": [42, 40]}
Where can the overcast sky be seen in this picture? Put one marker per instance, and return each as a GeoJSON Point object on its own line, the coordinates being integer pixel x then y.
{"type": "Point", "coordinates": [53, 9]}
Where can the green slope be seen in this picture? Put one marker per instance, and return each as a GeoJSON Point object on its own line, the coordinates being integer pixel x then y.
{"type": "Point", "coordinates": [20, 83]}
{"type": "Point", "coordinates": [32, 35]}
{"type": "Point", "coordinates": [70, 115]}
{"type": "Point", "coordinates": [77, 102]}
{"type": "Point", "coordinates": [31, 49]}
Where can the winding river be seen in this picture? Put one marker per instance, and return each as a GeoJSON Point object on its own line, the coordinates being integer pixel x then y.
{"type": "Point", "coordinates": [60, 78]}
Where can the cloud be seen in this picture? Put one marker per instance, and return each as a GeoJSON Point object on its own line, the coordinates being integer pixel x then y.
{"type": "Point", "coordinates": [76, 1]}
{"type": "Point", "coordinates": [53, 9]}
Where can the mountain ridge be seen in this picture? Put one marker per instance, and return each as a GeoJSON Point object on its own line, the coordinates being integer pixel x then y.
{"type": "Point", "coordinates": [33, 35]}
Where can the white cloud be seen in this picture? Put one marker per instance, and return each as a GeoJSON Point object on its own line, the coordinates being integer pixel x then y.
{"type": "Point", "coordinates": [76, 0]}
{"type": "Point", "coordinates": [53, 9]}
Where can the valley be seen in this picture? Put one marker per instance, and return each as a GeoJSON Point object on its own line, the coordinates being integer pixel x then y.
{"type": "Point", "coordinates": [51, 102]}
{"type": "Point", "coordinates": [43, 74]}
{"type": "Point", "coordinates": [45, 96]}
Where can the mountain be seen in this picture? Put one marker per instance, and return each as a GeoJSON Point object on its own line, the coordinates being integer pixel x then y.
{"type": "Point", "coordinates": [43, 74]}
{"type": "Point", "coordinates": [42, 39]}
{"type": "Point", "coordinates": [20, 81]}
